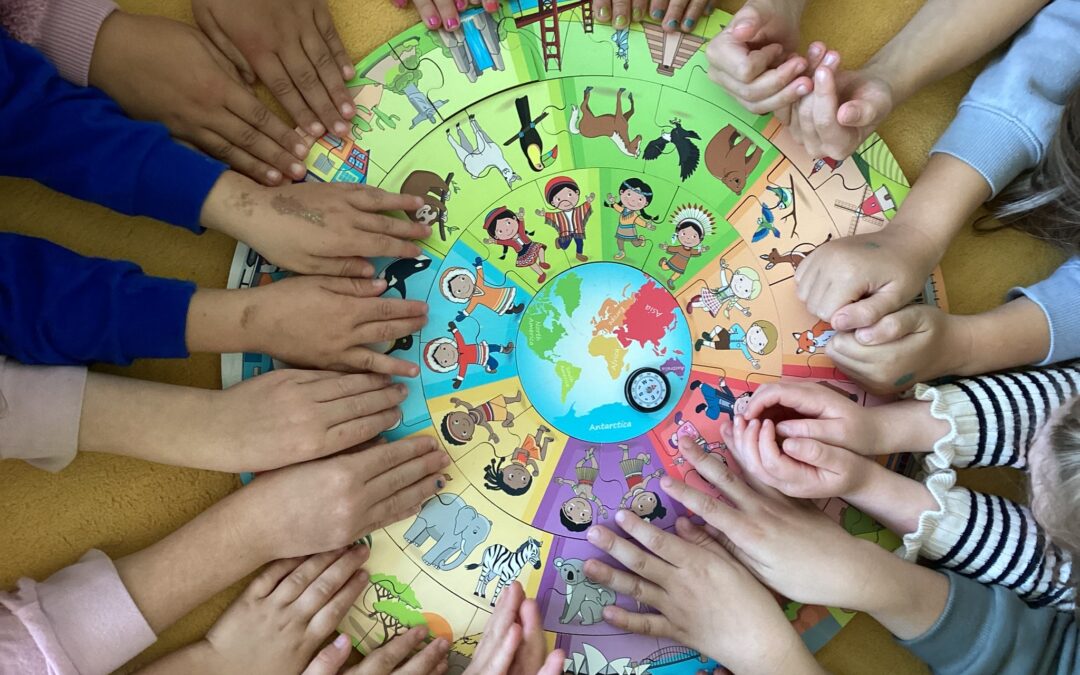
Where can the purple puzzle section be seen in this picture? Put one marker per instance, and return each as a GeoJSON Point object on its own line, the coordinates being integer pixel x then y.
{"type": "Point", "coordinates": [609, 486]}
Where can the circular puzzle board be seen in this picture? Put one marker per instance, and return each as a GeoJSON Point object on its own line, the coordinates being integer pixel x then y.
{"type": "Point", "coordinates": [611, 268]}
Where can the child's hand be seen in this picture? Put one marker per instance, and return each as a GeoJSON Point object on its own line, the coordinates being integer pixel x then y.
{"type": "Point", "coordinates": [278, 318]}
{"type": "Point", "coordinates": [743, 627]}
{"type": "Point", "coordinates": [513, 642]}
{"type": "Point", "coordinates": [437, 14]}
{"type": "Point", "coordinates": [293, 47]}
{"type": "Point", "coordinates": [315, 228]}
{"type": "Point", "coordinates": [396, 657]}
{"type": "Point", "coordinates": [791, 546]}
{"type": "Point", "coordinates": [754, 58]}
{"type": "Point", "coordinates": [804, 468]}
{"type": "Point", "coordinates": [673, 15]}
{"type": "Point", "coordinates": [916, 344]}
{"type": "Point", "coordinates": [162, 70]}
{"type": "Point", "coordinates": [841, 112]}
{"type": "Point", "coordinates": [853, 282]}
{"type": "Point", "coordinates": [284, 614]}
{"type": "Point", "coordinates": [330, 503]}
{"type": "Point", "coordinates": [822, 415]}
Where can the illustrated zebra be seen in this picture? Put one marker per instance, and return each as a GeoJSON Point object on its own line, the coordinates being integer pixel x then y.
{"type": "Point", "coordinates": [499, 562]}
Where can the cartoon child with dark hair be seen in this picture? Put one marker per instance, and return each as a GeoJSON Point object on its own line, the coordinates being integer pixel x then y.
{"type": "Point", "coordinates": [507, 229]}
{"type": "Point", "coordinates": [465, 287]}
{"type": "Point", "coordinates": [515, 477]}
{"type": "Point", "coordinates": [692, 225]}
{"type": "Point", "coordinates": [576, 513]}
{"type": "Point", "coordinates": [459, 427]}
{"type": "Point", "coordinates": [634, 196]}
{"type": "Point", "coordinates": [444, 354]}
{"type": "Point", "coordinates": [645, 503]}
{"type": "Point", "coordinates": [569, 217]}
{"type": "Point", "coordinates": [744, 284]}
{"type": "Point", "coordinates": [720, 399]}
{"type": "Point", "coordinates": [759, 340]}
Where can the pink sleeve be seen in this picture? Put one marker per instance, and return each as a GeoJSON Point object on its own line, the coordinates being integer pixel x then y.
{"type": "Point", "coordinates": [81, 621]}
{"type": "Point", "coordinates": [63, 30]}
{"type": "Point", "coordinates": [40, 409]}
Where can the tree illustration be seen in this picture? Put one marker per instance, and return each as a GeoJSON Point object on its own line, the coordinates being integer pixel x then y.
{"type": "Point", "coordinates": [396, 606]}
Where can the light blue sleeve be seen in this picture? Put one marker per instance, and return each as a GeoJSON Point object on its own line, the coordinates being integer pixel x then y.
{"type": "Point", "coordinates": [1059, 297]}
{"type": "Point", "coordinates": [1005, 122]}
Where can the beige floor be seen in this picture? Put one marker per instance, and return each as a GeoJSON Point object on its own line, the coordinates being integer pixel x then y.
{"type": "Point", "coordinates": [120, 505]}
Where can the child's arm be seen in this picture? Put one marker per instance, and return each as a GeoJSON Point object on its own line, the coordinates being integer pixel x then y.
{"type": "Point", "coordinates": [1003, 127]}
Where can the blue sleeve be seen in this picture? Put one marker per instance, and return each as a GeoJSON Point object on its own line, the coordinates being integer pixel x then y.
{"type": "Point", "coordinates": [1006, 121]}
{"type": "Point", "coordinates": [989, 629]}
{"type": "Point", "coordinates": [77, 140]}
{"type": "Point", "coordinates": [1059, 298]}
{"type": "Point", "coordinates": [60, 308]}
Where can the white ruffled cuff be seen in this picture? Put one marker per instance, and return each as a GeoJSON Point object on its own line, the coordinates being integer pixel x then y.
{"type": "Point", "coordinates": [960, 446]}
{"type": "Point", "coordinates": [939, 529]}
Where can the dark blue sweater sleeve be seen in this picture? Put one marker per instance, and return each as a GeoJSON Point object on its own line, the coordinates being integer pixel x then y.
{"type": "Point", "coordinates": [78, 141]}
{"type": "Point", "coordinates": [57, 307]}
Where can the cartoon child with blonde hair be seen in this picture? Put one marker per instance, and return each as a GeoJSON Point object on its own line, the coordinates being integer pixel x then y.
{"type": "Point", "coordinates": [760, 339]}
{"type": "Point", "coordinates": [576, 513]}
{"type": "Point", "coordinates": [444, 354]}
{"type": "Point", "coordinates": [464, 287]}
{"type": "Point", "coordinates": [744, 284]}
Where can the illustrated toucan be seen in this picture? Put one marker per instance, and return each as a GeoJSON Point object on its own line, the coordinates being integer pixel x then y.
{"type": "Point", "coordinates": [529, 137]}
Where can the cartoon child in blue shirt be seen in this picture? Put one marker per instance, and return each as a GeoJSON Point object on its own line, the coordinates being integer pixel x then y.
{"type": "Point", "coordinates": [759, 340]}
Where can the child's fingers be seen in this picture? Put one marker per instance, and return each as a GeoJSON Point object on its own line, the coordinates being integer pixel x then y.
{"type": "Point", "coordinates": [362, 429]}
{"type": "Point", "coordinates": [602, 10]}
{"type": "Point", "coordinates": [673, 17]}
{"type": "Point", "coordinates": [867, 312]}
{"type": "Point", "coordinates": [334, 610]}
{"type": "Point", "coordinates": [429, 14]}
{"type": "Point", "coordinates": [693, 12]}
{"type": "Point", "coordinates": [362, 405]}
{"type": "Point", "coordinates": [638, 10]}
{"type": "Point", "coordinates": [220, 147]}
{"type": "Point", "coordinates": [362, 359]}
{"type": "Point", "coordinates": [331, 386]}
{"type": "Point", "coordinates": [323, 587]}
{"type": "Point", "coordinates": [711, 539]}
{"type": "Point", "coordinates": [292, 587]}
{"type": "Point", "coordinates": [811, 140]}
{"type": "Point", "coordinates": [385, 659]}
{"type": "Point", "coordinates": [246, 106]}
{"type": "Point", "coordinates": [330, 74]}
{"type": "Point", "coordinates": [401, 504]}
{"type": "Point", "coordinates": [325, 23]}
{"type": "Point", "coordinates": [553, 664]}
{"type": "Point", "coordinates": [657, 9]}
{"type": "Point", "coordinates": [620, 13]}
{"type": "Point", "coordinates": [402, 476]}
{"type": "Point", "coordinates": [731, 521]}
{"type": "Point", "coordinates": [806, 398]}
{"type": "Point", "coordinates": [448, 10]}
{"type": "Point", "coordinates": [834, 138]}
{"type": "Point", "coordinates": [264, 584]}
{"type": "Point", "coordinates": [624, 583]}
{"type": "Point", "coordinates": [656, 625]}
{"type": "Point", "coordinates": [330, 658]}
{"type": "Point", "coordinates": [827, 431]}
{"type": "Point", "coordinates": [892, 327]}
{"type": "Point", "coordinates": [709, 465]}
{"type": "Point", "coordinates": [387, 331]}
{"type": "Point", "coordinates": [430, 661]}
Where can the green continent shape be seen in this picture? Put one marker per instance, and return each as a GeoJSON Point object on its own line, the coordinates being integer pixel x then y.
{"type": "Point", "coordinates": [568, 375]}
{"type": "Point", "coordinates": [542, 336]}
{"type": "Point", "coordinates": [569, 290]}
{"type": "Point", "coordinates": [609, 349]}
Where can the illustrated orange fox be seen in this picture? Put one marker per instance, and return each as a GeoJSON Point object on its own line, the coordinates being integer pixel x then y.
{"type": "Point", "coordinates": [810, 341]}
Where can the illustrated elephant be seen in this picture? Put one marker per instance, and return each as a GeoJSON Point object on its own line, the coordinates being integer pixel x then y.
{"type": "Point", "coordinates": [456, 527]}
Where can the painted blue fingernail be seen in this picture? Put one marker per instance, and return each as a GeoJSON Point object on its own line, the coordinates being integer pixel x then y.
{"type": "Point", "coordinates": [672, 24]}
{"type": "Point", "coordinates": [440, 483]}
{"type": "Point", "coordinates": [688, 24]}
{"type": "Point", "coordinates": [658, 14]}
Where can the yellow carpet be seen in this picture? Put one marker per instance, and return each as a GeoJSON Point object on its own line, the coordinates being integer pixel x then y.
{"type": "Point", "coordinates": [120, 505]}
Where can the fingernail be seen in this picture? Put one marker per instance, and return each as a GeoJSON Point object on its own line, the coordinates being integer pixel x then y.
{"type": "Point", "coordinates": [831, 59]}
{"type": "Point", "coordinates": [461, 5]}
{"type": "Point", "coordinates": [349, 72]}
{"type": "Point", "coordinates": [742, 23]}
{"type": "Point", "coordinates": [401, 389]}
{"type": "Point", "coordinates": [620, 516]}
{"type": "Point", "coordinates": [666, 482]}
{"type": "Point", "coordinates": [491, 5]}
{"type": "Point", "coordinates": [593, 535]}
{"type": "Point", "coordinates": [603, 13]}
{"type": "Point", "coordinates": [672, 23]}
{"type": "Point", "coordinates": [452, 23]}
{"type": "Point", "coordinates": [297, 170]}
{"type": "Point", "coordinates": [864, 335]}
{"type": "Point", "coordinates": [802, 90]}
{"type": "Point", "coordinates": [620, 21]}
{"type": "Point", "coordinates": [688, 23]}
{"type": "Point", "coordinates": [658, 14]}
{"type": "Point", "coordinates": [440, 483]}
{"type": "Point", "coordinates": [433, 22]}
{"type": "Point", "coordinates": [301, 150]}
{"type": "Point", "coordinates": [340, 128]}
{"type": "Point", "coordinates": [348, 110]}
{"type": "Point", "coordinates": [317, 129]}
{"type": "Point", "coordinates": [341, 640]}
{"type": "Point", "coordinates": [273, 175]}
{"type": "Point", "coordinates": [636, 15]}
{"type": "Point", "coordinates": [815, 49]}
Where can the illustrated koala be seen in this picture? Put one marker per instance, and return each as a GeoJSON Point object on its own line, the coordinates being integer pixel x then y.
{"type": "Point", "coordinates": [584, 598]}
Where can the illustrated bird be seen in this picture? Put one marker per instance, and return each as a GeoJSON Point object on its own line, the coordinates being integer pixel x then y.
{"type": "Point", "coordinates": [683, 140]}
{"type": "Point", "coordinates": [532, 146]}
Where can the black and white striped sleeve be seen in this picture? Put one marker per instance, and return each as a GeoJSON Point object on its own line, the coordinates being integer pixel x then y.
{"type": "Point", "coordinates": [994, 541]}
{"type": "Point", "coordinates": [994, 419]}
